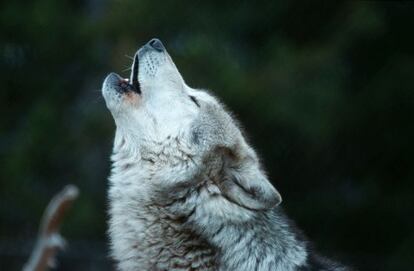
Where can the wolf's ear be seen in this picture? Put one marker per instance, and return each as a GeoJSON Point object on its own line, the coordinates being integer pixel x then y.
{"type": "Point", "coordinates": [244, 183]}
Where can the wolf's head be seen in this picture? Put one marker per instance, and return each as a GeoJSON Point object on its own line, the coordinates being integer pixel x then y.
{"type": "Point", "coordinates": [155, 106]}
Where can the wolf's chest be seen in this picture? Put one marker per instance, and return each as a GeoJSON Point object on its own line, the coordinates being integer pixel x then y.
{"type": "Point", "coordinates": [150, 241]}
{"type": "Point", "coordinates": [181, 250]}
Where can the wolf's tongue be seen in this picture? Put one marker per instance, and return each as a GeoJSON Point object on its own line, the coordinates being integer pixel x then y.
{"type": "Point", "coordinates": [134, 75]}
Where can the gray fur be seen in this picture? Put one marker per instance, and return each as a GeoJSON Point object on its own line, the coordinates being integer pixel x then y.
{"type": "Point", "coordinates": [186, 190]}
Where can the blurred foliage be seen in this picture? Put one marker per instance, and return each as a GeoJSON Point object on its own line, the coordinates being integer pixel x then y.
{"type": "Point", "coordinates": [324, 89]}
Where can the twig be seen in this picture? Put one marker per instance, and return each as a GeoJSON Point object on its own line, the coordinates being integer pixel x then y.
{"type": "Point", "coordinates": [49, 240]}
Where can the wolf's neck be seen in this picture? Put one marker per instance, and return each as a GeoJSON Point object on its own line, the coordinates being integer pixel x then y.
{"type": "Point", "coordinates": [167, 149]}
{"type": "Point", "coordinates": [265, 243]}
{"type": "Point", "coordinates": [148, 229]}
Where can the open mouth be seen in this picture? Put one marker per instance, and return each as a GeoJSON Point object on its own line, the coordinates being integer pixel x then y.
{"type": "Point", "coordinates": [123, 85]}
{"type": "Point", "coordinates": [133, 82]}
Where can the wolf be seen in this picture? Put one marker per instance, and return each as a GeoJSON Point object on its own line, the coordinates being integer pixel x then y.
{"type": "Point", "coordinates": [186, 190]}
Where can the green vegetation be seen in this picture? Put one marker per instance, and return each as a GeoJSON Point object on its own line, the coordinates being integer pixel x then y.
{"type": "Point", "coordinates": [324, 89]}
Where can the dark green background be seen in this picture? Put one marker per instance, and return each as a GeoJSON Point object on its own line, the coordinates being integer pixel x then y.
{"type": "Point", "coordinates": [324, 89]}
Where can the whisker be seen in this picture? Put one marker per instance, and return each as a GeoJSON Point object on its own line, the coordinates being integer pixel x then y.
{"type": "Point", "coordinates": [126, 69]}
{"type": "Point", "coordinates": [97, 99]}
{"type": "Point", "coordinates": [130, 57]}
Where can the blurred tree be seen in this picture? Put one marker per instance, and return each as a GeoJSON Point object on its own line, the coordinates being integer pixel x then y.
{"type": "Point", "coordinates": [324, 90]}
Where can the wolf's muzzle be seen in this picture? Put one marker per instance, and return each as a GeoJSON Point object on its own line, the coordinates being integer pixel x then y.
{"type": "Point", "coordinates": [152, 45]}
{"type": "Point", "coordinates": [156, 44]}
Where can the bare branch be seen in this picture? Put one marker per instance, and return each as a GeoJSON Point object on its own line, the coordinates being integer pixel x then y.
{"type": "Point", "coordinates": [49, 239]}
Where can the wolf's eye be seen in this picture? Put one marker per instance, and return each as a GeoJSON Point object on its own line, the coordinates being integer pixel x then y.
{"type": "Point", "coordinates": [194, 100]}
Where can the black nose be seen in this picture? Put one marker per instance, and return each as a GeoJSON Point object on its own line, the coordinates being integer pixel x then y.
{"type": "Point", "coordinates": [156, 44]}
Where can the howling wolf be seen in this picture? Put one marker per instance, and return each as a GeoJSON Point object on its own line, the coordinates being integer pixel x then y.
{"type": "Point", "coordinates": [187, 191]}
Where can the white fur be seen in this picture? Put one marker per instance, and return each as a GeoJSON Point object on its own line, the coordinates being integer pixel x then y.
{"type": "Point", "coordinates": [186, 190]}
